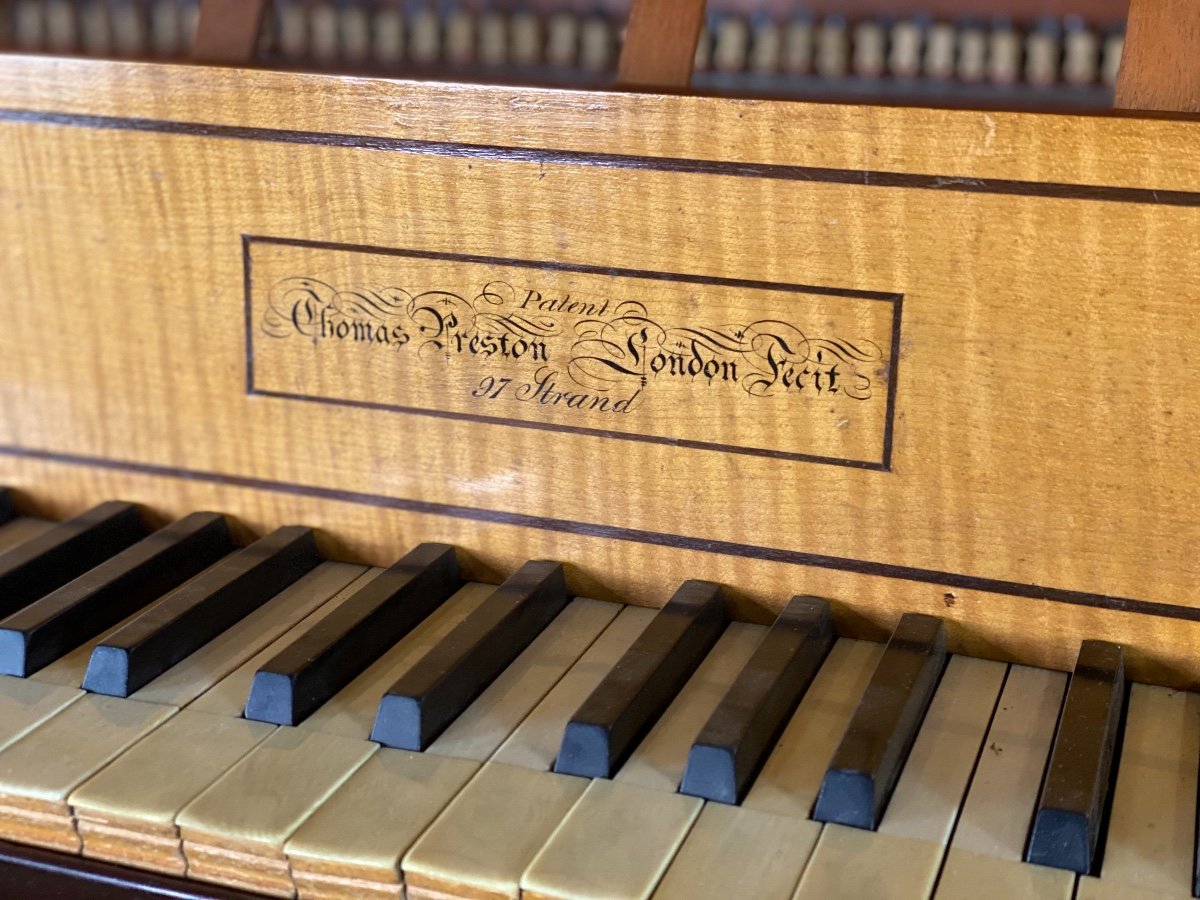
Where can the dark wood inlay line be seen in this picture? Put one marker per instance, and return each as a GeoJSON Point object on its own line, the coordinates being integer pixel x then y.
{"type": "Point", "coordinates": [771, 171]}
{"type": "Point", "coordinates": [633, 535]}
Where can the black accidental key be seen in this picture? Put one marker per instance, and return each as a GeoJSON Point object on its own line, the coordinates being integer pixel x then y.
{"type": "Point", "coordinates": [427, 698]}
{"type": "Point", "coordinates": [615, 716]}
{"type": "Point", "coordinates": [327, 657]}
{"type": "Point", "coordinates": [47, 562]}
{"type": "Point", "coordinates": [864, 768]}
{"type": "Point", "coordinates": [8, 512]}
{"type": "Point", "coordinates": [192, 615]}
{"type": "Point", "coordinates": [745, 725]}
{"type": "Point", "coordinates": [101, 597]}
{"type": "Point", "coordinates": [1066, 823]}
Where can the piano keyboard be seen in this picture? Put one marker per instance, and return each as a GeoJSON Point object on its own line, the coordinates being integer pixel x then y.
{"type": "Point", "coordinates": [271, 721]}
{"type": "Point", "coordinates": [1069, 59]}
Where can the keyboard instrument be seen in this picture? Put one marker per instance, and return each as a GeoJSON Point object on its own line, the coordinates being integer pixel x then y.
{"type": "Point", "coordinates": [443, 490]}
{"type": "Point", "coordinates": [590, 750]}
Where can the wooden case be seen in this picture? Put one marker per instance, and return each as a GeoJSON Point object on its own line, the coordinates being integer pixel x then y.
{"type": "Point", "coordinates": [910, 360]}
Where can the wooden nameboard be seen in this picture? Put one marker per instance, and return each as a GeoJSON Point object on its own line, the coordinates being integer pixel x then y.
{"type": "Point", "coordinates": [909, 360]}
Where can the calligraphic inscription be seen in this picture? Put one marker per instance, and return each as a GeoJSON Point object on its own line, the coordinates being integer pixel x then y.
{"type": "Point", "coordinates": [753, 367]}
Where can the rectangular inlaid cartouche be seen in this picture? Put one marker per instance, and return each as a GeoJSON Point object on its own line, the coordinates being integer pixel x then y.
{"type": "Point", "coordinates": [648, 356]}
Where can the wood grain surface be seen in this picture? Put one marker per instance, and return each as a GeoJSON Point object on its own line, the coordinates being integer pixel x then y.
{"type": "Point", "coordinates": [660, 44]}
{"type": "Point", "coordinates": [1160, 65]}
{"type": "Point", "coordinates": [1035, 482]}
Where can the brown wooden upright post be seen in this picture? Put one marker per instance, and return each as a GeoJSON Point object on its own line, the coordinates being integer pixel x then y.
{"type": "Point", "coordinates": [660, 44]}
{"type": "Point", "coordinates": [1160, 66]}
{"type": "Point", "coordinates": [227, 31]}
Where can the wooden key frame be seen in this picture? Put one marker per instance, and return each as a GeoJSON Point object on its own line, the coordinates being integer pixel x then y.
{"type": "Point", "coordinates": [1003, 302]}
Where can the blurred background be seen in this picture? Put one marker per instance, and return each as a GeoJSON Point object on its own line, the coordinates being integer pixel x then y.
{"type": "Point", "coordinates": [1057, 55]}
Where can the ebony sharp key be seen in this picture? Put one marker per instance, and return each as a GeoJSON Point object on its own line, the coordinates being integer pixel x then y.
{"type": "Point", "coordinates": [418, 707]}
{"type": "Point", "coordinates": [47, 562]}
{"type": "Point", "coordinates": [860, 778]}
{"type": "Point", "coordinates": [615, 716]}
{"type": "Point", "coordinates": [195, 613]}
{"type": "Point", "coordinates": [44, 630]}
{"type": "Point", "coordinates": [323, 660]}
{"type": "Point", "coordinates": [7, 510]}
{"type": "Point", "coordinates": [1066, 822]}
{"type": "Point", "coordinates": [744, 726]}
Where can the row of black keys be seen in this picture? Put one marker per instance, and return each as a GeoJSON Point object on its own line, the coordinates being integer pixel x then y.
{"type": "Point", "coordinates": [84, 576]}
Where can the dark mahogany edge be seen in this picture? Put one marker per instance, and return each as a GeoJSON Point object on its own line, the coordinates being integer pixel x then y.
{"type": "Point", "coordinates": [1035, 592]}
{"type": "Point", "coordinates": [34, 872]}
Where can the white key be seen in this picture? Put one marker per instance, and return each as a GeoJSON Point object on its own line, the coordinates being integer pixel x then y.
{"type": "Point", "coordinates": [354, 20]}
{"type": "Point", "coordinates": [731, 44]}
{"type": "Point", "coordinates": [493, 39]}
{"type": "Point", "coordinates": [940, 47]}
{"type": "Point", "coordinates": [526, 31]}
{"type": "Point", "coordinates": [902, 858]}
{"type": "Point", "coordinates": [596, 47]}
{"type": "Point", "coordinates": [166, 29]}
{"type": "Point", "coordinates": [1042, 55]}
{"type": "Point", "coordinates": [323, 24]}
{"type": "Point", "coordinates": [562, 39]}
{"type": "Point", "coordinates": [904, 58]}
{"type": "Point", "coordinates": [985, 858]}
{"type": "Point", "coordinates": [622, 834]}
{"type": "Point", "coordinates": [1150, 844]}
{"type": "Point", "coordinates": [870, 49]}
{"type": "Point", "coordinates": [189, 15]}
{"type": "Point", "coordinates": [972, 54]}
{"type": "Point", "coordinates": [293, 29]}
{"type": "Point", "coordinates": [512, 806]}
{"type": "Point", "coordinates": [29, 28]}
{"type": "Point", "coordinates": [424, 37]}
{"type": "Point", "coordinates": [1004, 55]}
{"type": "Point", "coordinates": [387, 40]}
{"type": "Point", "coordinates": [832, 48]}
{"type": "Point", "coordinates": [459, 46]}
{"type": "Point", "coordinates": [766, 48]}
{"type": "Point", "coordinates": [798, 46]}
{"type": "Point", "coordinates": [61, 26]}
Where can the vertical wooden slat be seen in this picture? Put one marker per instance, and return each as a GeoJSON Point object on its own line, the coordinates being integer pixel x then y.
{"type": "Point", "coordinates": [227, 31]}
{"type": "Point", "coordinates": [660, 43]}
{"type": "Point", "coordinates": [1160, 67]}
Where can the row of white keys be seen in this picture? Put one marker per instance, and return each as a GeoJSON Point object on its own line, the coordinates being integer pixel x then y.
{"type": "Point", "coordinates": [903, 857]}
{"type": "Point", "coordinates": [1150, 845]}
{"type": "Point", "coordinates": [148, 786]}
{"type": "Point", "coordinates": [486, 837]}
{"type": "Point", "coordinates": [311, 761]}
{"type": "Point", "coordinates": [621, 835]}
{"type": "Point", "coordinates": [985, 857]}
{"type": "Point", "coordinates": [39, 771]}
{"type": "Point", "coordinates": [162, 28]}
{"type": "Point", "coordinates": [759, 849]}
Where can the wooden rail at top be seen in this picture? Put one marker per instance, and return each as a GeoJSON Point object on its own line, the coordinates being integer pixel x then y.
{"type": "Point", "coordinates": [284, 297]}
